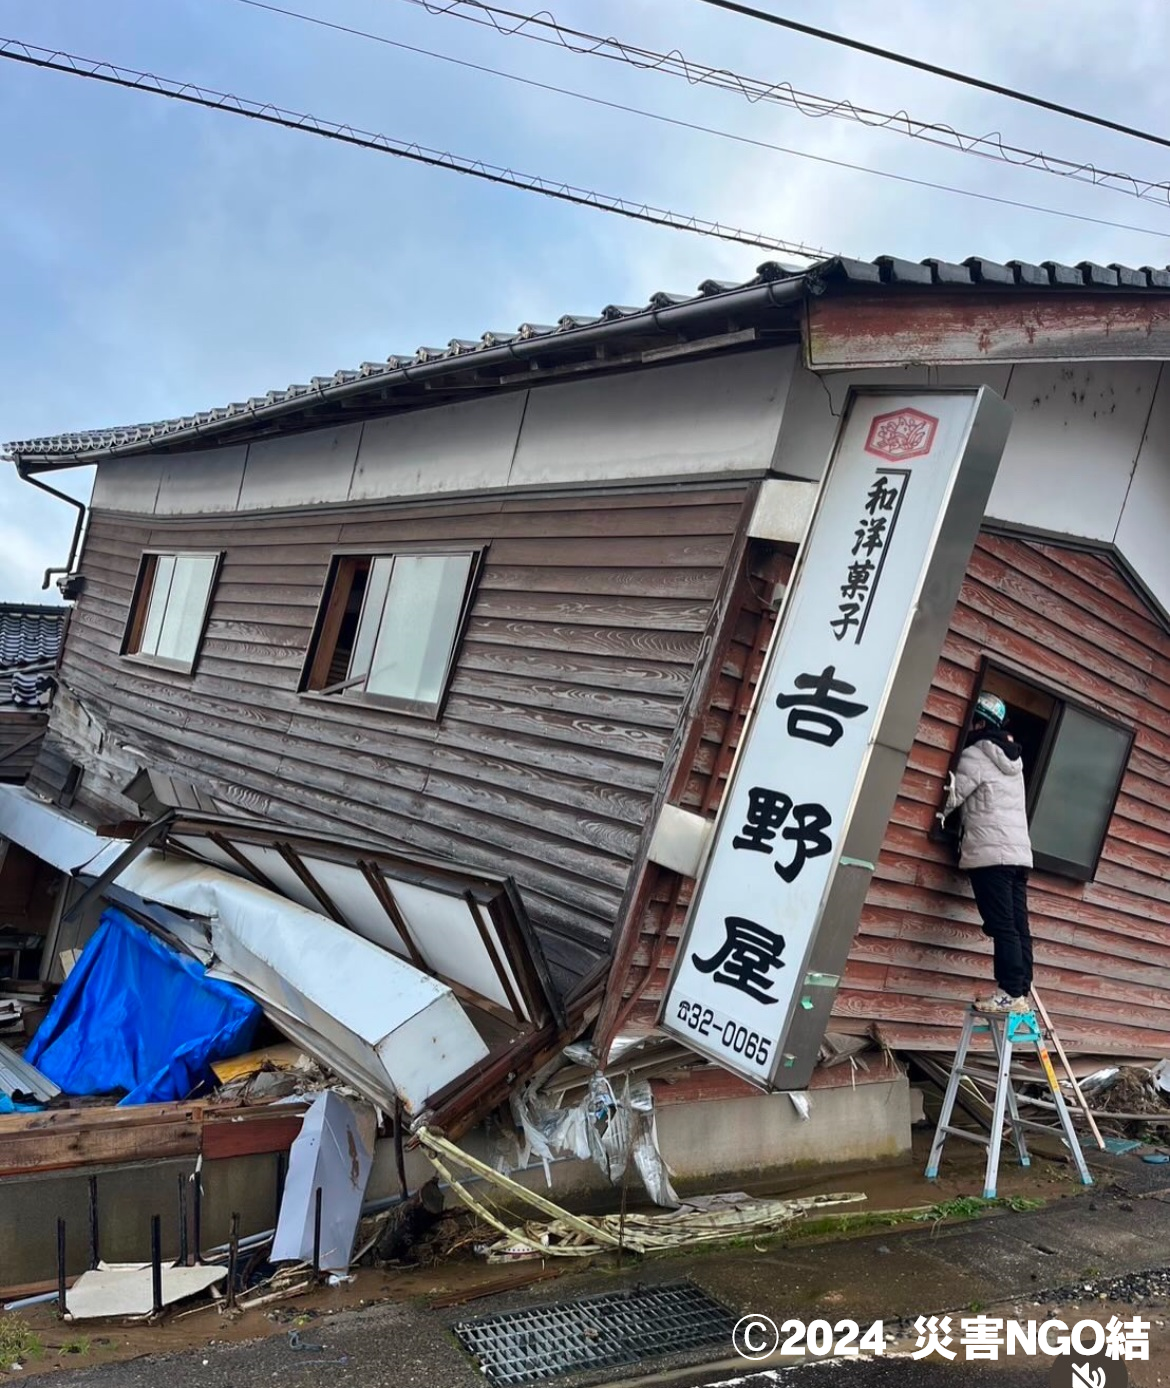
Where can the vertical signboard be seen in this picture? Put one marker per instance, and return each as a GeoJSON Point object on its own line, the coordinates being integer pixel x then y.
{"type": "Point", "coordinates": [834, 717]}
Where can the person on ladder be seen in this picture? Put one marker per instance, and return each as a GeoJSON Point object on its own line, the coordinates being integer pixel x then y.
{"type": "Point", "coordinates": [996, 850]}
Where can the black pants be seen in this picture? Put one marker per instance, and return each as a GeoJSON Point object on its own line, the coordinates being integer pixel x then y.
{"type": "Point", "coordinates": [1001, 893]}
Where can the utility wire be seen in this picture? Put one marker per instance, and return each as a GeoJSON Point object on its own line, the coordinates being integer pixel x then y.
{"type": "Point", "coordinates": [56, 61]}
{"type": "Point", "coordinates": [692, 125]}
{"type": "Point", "coordinates": [1012, 93]}
{"type": "Point", "coordinates": [674, 64]}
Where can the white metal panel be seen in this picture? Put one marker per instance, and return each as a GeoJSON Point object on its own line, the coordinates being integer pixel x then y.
{"type": "Point", "coordinates": [52, 836]}
{"type": "Point", "coordinates": [278, 872]}
{"type": "Point", "coordinates": [192, 483]}
{"type": "Point", "coordinates": [300, 469]}
{"type": "Point", "coordinates": [354, 898]}
{"type": "Point", "coordinates": [452, 448]}
{"type": "Point", "coordinates": [329, 1155]}
{"type": "Point", "coordinates": [1145, 517]}
{"type": "Point", "coordinates": [211, 851]}
{"type": "Point", "coordinates": [716, 416]}
{"type": "Point", "coordinates": [783, 510]}
{"type": "Point", "coordinates": [127, 1290]}
{"type": "Point", "coordinates": [680, 840]}
{"type": "Point", "coordinates": [1077, 432]}
{"type": "Point", "coordinates": [815, 401]}
{"type": "Point", "coordinates": [448, 939]}
{"type": "Point", "coordinates": [128, 484]}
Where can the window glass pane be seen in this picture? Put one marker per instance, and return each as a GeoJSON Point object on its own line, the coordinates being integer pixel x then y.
{"type": "Point", "coordinates": [377, 587]}
{"type": "Point", "coordinates": [186, 607]}
{"type": "Point", "coordinates": [1075, 802]}
{"type": "Point", "coordinates": [419, 624]}
{"type": "Point", "coordinates": [160, 591]}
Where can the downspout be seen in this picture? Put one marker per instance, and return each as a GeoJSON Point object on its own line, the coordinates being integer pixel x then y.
{"type": "Point", "coordinates": [25, 476]}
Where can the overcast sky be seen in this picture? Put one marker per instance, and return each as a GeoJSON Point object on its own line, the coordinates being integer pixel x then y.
{"type": "Point", "coordinates": [159, 259]}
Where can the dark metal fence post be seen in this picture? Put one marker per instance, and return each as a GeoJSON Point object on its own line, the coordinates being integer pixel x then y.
{"type": "Point", "coordinates": [182, 1220]}
{"type": "Point", "coordinates": [197, 1215]}
{"type": "Point", "coordinates": [233, 1260]}
{"type": "Point", "coordinates": [281, 1174]}
{"type": "Point", "coordinates": [94, 1253]}
{"type": "Point", "coordinates": [61, 1307]}
{"type": "Point", "coordinates": [317, 1235]}
{"type": "Point", "coordinates": [399, 1154]}
{"type": "Point", "coordinates": [156, 1295]}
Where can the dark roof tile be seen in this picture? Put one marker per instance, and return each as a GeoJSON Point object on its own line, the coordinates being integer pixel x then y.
{"type": "Point", "coordinates": [842, 271]}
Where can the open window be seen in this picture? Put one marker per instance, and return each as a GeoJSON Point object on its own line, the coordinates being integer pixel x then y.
{"type": "Point", "coordinates": [1074, 760]}
{"type": "Point", "coordinates": [169, 612]}
{"type": "Point", "coordinates": [390, 625]}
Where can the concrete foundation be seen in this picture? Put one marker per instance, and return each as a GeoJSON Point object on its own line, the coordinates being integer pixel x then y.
{"type": "Point", "coordinates": [713, 1131]}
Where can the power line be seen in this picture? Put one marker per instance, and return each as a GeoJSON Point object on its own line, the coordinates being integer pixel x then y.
{"type": "Point", "coordinates": [97, 70]}
{"type": "Point", "coordinates": [950, 74]}
{"type": "Point", "coordinates": [674, 64]}
{"type": "Point", "coordinates": [692, 125]}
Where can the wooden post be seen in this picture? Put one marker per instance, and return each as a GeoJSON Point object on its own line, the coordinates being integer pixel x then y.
{"type": "Point", "coordinates": [1044, 1017]}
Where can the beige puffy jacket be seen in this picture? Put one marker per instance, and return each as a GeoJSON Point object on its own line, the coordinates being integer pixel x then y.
{"type": "Point", "coordinates": [989, 785]}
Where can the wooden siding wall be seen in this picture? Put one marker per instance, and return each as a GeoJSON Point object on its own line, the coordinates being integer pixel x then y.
{"type": "Point", "coordinates": [20, 739]}
{"type": "Point", "coordinates": [1073, 622]}
{"type": "Point", "coordinates": [662, 897]}
{"type": "Point", "coordinates": [581, 647]}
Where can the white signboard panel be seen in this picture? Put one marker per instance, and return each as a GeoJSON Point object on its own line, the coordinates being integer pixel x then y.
{"type": "Point", "coordinates": [860, 634]}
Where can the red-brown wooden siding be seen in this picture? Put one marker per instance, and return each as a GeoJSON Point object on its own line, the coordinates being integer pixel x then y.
{"type": "Point", "coordinates": [582, 645]}
{"type": "Point", "coordinates": [1103, 947]}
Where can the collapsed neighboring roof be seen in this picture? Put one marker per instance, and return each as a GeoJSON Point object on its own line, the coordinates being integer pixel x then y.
{"type": "Point", "coordinates": [716, 307]}
{"type": "Point", "coordinates": [30, 642]}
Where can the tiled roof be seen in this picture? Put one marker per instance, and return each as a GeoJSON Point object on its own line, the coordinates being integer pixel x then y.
{"type": "Point", "coordinates": [974, 273]}
{"type": "Point", "coordinates": [30, 640]}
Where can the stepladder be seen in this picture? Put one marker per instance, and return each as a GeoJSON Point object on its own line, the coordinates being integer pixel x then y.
{"type": "Point", "coordinates": [1007, 1032]}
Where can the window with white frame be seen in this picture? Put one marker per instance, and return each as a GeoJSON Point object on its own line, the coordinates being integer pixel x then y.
{"type": "Point", "coordinates": [169, 612]}
{"type": "Point", "coordinates": [389, 627]}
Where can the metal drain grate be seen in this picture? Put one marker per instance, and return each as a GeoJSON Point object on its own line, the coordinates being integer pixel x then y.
{"type": "Point", "coordinates": [595, 1332]}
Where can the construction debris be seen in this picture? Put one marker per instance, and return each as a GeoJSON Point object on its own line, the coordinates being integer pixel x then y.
{"type": "Point", "coordinates": [125, 1290]}
{"type": "Point", "coordinates": [563, 1234]}
{"type": "Point", "coordinates": [22, 1081]}
{"type": "Point", "coordinates": [406, 1223]}
{"type": "Point", "coordinates": [609, 1125]}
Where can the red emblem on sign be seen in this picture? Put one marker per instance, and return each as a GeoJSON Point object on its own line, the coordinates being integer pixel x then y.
{"type": "Point", "coordinates": [901, 435]}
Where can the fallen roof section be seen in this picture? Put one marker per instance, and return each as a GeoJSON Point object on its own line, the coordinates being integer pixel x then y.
{"type": "Point", "coordinates": [395, 1034]}
{"type": "Point", "coordinates": [466, 928]}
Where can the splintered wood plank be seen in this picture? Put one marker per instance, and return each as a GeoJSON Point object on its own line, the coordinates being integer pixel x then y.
{"type": "Point", "coordinates": [60, 1140]}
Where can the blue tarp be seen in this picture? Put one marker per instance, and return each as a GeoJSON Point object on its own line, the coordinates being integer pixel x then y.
{"type": "Point", "coordinates": [136, 1015]}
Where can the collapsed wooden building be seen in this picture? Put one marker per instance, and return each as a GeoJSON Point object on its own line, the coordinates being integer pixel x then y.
{"type": "Point", "coordinates": [489, 621]}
